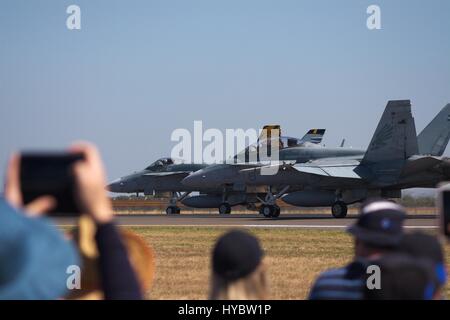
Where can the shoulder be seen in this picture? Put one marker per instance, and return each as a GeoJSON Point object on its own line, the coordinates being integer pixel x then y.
{"type": "Point", "coordinates": [334, 284]}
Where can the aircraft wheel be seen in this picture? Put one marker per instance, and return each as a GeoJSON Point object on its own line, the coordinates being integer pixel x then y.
{"type": "Point", "coordinates": [276, 212]}
{"type": "Point", "coordinates": [267, 210]}
{"type": "Point", "coordinates": [172, 210]}
{"type": "Point", "coordinates": [224, 208]}
{"type": "Point", "coordinates": [339, 210]}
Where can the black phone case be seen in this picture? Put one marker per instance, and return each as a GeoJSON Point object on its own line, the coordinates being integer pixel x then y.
{"type": "Point", "coordinates": [50, 174]}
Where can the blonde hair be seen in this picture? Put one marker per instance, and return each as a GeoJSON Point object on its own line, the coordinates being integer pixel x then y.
{"type": "Point", "coordinates": [252, 287]}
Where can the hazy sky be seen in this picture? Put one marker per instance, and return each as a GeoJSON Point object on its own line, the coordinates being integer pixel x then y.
{"type": "Point", "coordinates": [137, 70]}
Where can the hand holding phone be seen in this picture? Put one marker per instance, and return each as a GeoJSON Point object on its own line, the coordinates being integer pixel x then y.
{"type": "Point", "coordinates": [13, 193]}
{"type": "Point", "coordinates": [50, 174]}
{"type": "Point", "coordinates": [64, 183]}
{"type": "Point", "coordinates": [91, 184]}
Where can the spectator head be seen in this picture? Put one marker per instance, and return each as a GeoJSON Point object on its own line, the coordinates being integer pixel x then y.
{"type": "Point", "coordinates": [402, 278]}
{"type": "Point", "coordinates": [238, 270]}
{"type": "Point", "coordinates": [34, 257]}
{"type": "Point", "coordinates": [379, 228]}
{"type": "Point", "coordinates": [140, 254]}
{"type": "Point", "coordinates": [424, 246]}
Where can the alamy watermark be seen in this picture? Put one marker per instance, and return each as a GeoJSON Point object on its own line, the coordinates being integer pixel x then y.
{"type": "Point", "coordinates": [373, 281]}
{"type": "Point", "coordinates": [374, 20]}
{"type": "Point", "coordinates": [73, 21]}
{"type": "Point", "coordinates": [73, 281]}
{"type": "Point", "coordinates": [212, 146]}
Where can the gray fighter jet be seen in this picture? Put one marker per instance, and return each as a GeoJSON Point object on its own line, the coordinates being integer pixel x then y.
{"type": "Point", "coordinates": [233, 191]}
{"type": "Point", "coordinates": [396, 159]}
{"type": "Point", "coordinates": [163, 175]}
{"type": "Point", "coordinates": [166, 174]}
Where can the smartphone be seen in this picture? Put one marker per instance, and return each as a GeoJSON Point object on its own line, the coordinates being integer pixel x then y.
{"type": "Point", "coordinates": [50, 173]}
{"type": "Point", "coordinates": [443, 205]}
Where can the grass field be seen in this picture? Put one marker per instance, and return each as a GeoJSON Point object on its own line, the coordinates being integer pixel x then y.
{"type": "Point", "coordinates": [294, 258]}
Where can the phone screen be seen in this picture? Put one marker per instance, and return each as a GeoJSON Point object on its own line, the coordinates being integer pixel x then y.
{"type": "Point", "coordinates": [50, 174]}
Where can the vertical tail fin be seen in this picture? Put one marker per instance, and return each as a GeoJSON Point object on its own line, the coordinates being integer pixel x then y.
{"type": "Point", "coordinates": [434, 138]}
{"type": "Point", "coordinates": [314, 136]}
{"type": "Point", "coordinates": [269, 130]}
{"type": "Point", "coordinates": [395, 137]}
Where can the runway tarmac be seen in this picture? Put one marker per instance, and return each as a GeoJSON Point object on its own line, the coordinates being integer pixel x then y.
{"type": "Point", "coordinates": [317, 221]}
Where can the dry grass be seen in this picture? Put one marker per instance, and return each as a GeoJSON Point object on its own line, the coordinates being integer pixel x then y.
{"type": "Point", "coordinates": [294, 257]}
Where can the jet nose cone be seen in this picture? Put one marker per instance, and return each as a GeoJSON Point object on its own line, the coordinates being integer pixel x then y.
{"type": "Point", "coordinates": [195, 180]}
{"type": "Point", "coordinates": [114, 186]}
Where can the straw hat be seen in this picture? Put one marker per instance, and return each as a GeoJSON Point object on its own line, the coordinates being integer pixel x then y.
{"type": "Point", "coordinates": [141, 256]}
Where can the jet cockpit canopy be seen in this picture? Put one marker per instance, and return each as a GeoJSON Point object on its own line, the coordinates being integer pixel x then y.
{"type": "Point", "coordinates": [162, 163]}
{"type": "Point", "coordinates": [263, 147]}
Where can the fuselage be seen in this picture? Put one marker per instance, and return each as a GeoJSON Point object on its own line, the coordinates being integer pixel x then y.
{"type": "Point", "coordinates": [169, 177]}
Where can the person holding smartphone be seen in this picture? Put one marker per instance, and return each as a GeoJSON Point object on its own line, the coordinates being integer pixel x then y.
{"type": "Point", "coordinates": [34, 255]}
{"type": "Point", "coordinates": [91, 198]}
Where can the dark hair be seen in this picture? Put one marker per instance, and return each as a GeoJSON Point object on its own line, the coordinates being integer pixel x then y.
{"type": "Point", "coordinates": [236, 255]}
{"type": "Point", "coordinates": [376, 247]}
{"type": "Point", "coordinates": [402, 278]}
{"type": "Point", "coordinates": [426, 246]}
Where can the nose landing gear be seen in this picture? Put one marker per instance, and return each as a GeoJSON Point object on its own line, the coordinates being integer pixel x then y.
{"type": "Point", "coordinates": [172, 208]}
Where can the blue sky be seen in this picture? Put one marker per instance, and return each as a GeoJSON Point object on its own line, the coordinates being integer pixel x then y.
{"type": "Point", "coordinates": [137, 70]}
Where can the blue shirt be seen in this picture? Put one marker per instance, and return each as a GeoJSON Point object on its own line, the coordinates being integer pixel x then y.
{"type": "Point", "coordinates": [347, 283]}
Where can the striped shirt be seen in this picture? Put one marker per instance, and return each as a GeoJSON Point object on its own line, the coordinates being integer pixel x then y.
{"type": "Point", "coordinates": [346, 283]}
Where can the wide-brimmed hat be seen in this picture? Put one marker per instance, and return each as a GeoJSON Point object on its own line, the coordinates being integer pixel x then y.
{"type": "Point", "coordinates": [34, 257]}
{"type": "Point", "coordinates": [141, 257]}
{"type": "Point", "coordinates": [380, 224]}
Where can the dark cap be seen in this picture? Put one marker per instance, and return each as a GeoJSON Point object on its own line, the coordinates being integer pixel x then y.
{"type": "Point", "coordinates": [425, 246]}
{"type": "Point", "coordinates": [236, 255]}
{"type": "Point", "coordinates": [380, 224]}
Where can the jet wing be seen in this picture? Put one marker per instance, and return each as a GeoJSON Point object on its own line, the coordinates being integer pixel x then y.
{"type": "Point", "coordinates": [331, 167]}
{"type": "Point", "coordinates": [167, 173]}
{"type": "Point", "coordinates": [346, 171]}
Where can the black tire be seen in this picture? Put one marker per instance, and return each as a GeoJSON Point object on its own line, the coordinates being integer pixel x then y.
{"type": "Point", "coordinates": [260, 210]}
{"type": "Point", "coordinates": [170, 210]}
{"type": "Point", "coordinates": [339, 210]}
{"type": "Point", "coordinates": [173, 210]}
{"type": "Point", "coordinates": [224, 208]}
{"type": "Point", "coordinates": [276, 212]}
{"type": "Point", "coordinates": [267, 210]}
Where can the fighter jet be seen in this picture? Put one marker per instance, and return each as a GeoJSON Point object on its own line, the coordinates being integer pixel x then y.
{"type": "Point", "coordinates": [166, 174]}
{"type": "Point", "coordinates": [396, 159]}
{"type": "Point", "coordinates": [234, 191]}
{"type": "Point", "coordinates": [163, 175]}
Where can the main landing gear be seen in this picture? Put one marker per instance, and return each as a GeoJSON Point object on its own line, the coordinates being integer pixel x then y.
{"type": "Point", "coordinates": [339, 210]}
{"type": "Point", "coordinates": [172, 208]}
{"type": "Point", "coordinates": [269, 208]}
{"type": "Point", "coordinates": [270, 211]}
{"type": "Point", "coordinates": [224, 208]}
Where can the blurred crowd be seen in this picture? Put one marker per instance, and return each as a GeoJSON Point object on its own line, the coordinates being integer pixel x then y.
{"type": "Point", "coordinates": [97, 260]}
